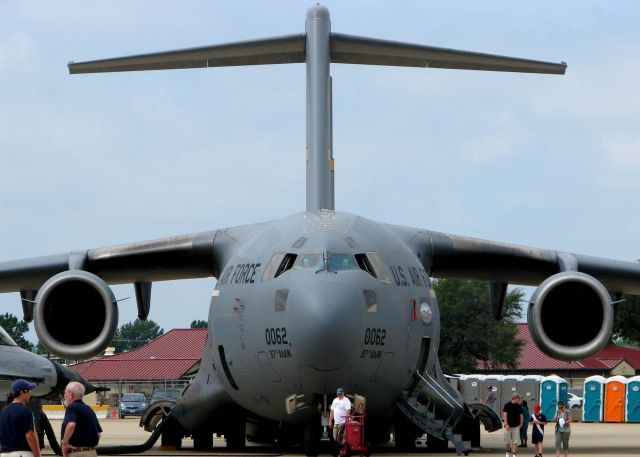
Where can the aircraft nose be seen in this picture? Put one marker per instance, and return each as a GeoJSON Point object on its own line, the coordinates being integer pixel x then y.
{"type": "Point", "coordinates": [325, 315]}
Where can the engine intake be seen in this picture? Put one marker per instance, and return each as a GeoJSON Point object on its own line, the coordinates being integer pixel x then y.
{"type": "Point", "coordinates": [570, 297]}
{"type": "Point", "coordinates": [76, 314]}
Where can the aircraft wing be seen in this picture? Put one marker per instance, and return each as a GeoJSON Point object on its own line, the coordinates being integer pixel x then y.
{"type": "Point", "coordinates": [450, 256]}
{"type": "Point", "coordinates": [196, 255]}
{"type": "Point", "coordinates": [370, 51]}
{"type": "Point", "coordinates": [277, 50]}
{"type": "Point", "coordinates": [59, 292]}
{"type": "Point", "coordinates": [343, 49]}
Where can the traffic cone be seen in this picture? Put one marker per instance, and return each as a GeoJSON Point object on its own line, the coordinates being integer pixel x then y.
{"type": "Point", "coordinates": [114, 413]}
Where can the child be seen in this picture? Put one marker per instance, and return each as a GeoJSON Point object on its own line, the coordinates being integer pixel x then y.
{"type": "Point", "coordinates": [538, 421]}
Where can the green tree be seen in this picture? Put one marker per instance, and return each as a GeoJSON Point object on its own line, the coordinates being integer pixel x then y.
{"type": "Point", "coordinates": [135, 334]}
{"type": "Point", "coordinates": [16, 329]}
{"type": "Point", "coordinates": [199, 324]}
{"type": "Point", "coordinates": [469, 333]}
{"type": "Point", "coordinates": [626, 325]}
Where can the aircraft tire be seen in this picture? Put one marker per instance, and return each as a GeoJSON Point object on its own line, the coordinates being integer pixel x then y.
{"type": "Point", "coordinates": [203, 441]}
{"type": "Point", "coordinates": [405, 434]}
{"type": "Point", "coordinates": [312, 434]}
{"type": "Point", "coordinates": [171, 435]}
{"type": "Point", "coordinates": [436, 444]}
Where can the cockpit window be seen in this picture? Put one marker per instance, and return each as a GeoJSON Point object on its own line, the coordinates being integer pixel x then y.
{"type": "Point", "coordinates": [309, 262]}
{"type": "Point", "coordinates": [338, 262]}
{"type": "Point", "coordinates": [317, 262]}
{"type": "Point", "coordinates": [272, 266]}
{"type": "Point", "coordinates": [5, 339]}
{"type": "Point", "coordinates": [370, 262]}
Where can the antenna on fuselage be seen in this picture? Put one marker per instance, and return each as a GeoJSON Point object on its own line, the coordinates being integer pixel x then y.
{"type": "Point", "coordinates": [318, 47]}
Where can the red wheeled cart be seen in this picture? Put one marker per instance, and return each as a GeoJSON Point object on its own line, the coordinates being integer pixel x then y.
{"type": "Point", "coordinates": [354, 442]}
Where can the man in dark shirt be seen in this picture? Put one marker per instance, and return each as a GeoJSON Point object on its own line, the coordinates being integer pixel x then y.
{"type": "Point", "coordinates": [512, 419]}
{"type": "Point", "coordinates": [17, 431]}
{"type": "Point", "coordinates": [80, 427]}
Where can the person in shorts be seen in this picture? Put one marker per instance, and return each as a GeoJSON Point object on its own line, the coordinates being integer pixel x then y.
{"type": "Point", "coordinates": [512, 420]}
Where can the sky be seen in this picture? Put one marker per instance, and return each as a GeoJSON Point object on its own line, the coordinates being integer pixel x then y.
{"type": "Point", "coordinates": [95, 160]}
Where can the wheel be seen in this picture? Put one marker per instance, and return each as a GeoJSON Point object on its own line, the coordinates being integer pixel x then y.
{"type": "Point", "coordinates": [405, 434]}
{"type": "Point", "coordinates": [235, 439]}
{"type": "Point", "coordinates": [171, 438]}
{"type": "Point", "coordinates": [236, 432]}
{"type": "Point", "coordinates": [312, 438]}
{"type": "Point", "coordinates": [436, 444]}
{"type": "Point", "coordinates": [203, 441]}
{"type": "Point", "coordinates": [345, 450]}
{"type": "Point", "coordinates": [367, 452]}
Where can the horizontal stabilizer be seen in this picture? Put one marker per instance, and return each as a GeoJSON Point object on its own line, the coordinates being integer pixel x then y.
{"type": "Point", "coordinates": [370, 51]}
{"type": "Point", "coordinates": [285, 49]}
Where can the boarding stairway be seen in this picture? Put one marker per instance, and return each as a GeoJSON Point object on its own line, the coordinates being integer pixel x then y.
{"type": "Point", "coordinates": [434, 409]}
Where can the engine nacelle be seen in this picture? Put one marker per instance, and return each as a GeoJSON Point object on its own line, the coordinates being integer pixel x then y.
{"type": "Point", "coordinates": [76, 314]}
{"type": "Point", "coordinates": [570, 316]}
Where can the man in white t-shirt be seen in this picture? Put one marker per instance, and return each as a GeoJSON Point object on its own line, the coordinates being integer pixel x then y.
{"type": "Point", "coordinates": [340, 408]}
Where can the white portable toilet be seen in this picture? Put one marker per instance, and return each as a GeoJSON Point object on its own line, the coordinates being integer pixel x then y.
{"type": "Point", "coordinates": [511, 383]}
{"type": "Point", "coordinates": [471, 388]}
{"type": "Point", "coordinates": [495, 381]}
{"type": "Point", "coordinates": [530, 389]}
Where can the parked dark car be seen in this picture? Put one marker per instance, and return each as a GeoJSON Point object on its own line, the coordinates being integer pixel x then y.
{"type": "Point", "coordinates": [165, 394]}
{"type": "Point", "coordinates": [133, 404]}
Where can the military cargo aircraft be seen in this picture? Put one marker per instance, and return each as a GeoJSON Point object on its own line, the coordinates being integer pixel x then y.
{"type": "Point", "coordinates": [321, 298]}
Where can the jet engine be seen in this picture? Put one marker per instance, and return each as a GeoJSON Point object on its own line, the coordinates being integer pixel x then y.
{"type": "Point", "coordinates": [570, 316]}
{"type": "Point", "coordinates": [76, 314]}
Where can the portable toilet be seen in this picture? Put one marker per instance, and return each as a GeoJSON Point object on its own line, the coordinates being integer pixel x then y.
{"type": "Point", "coordinates": [632, 407]}
{"type": "Point", "coordinates": [550, 391]}
{"type": "Point", "coordinates": [471, 388]}
{"type": "Point", "coordinates": [563, 392]}
{"type": "Point", "coordinates": [592, 410]}
{"type": "Point", "coordinates": [495, 381]}
{"type": "Point", "coordinates": [530, 389]}
{"type": "Point", "coordinates": [510, 385]}
{"type": "Point", "coordinates": [454, 381]}
{"type": "Point", "coordinates": [614, 398]}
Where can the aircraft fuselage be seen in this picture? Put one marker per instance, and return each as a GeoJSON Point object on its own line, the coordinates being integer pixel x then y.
{"type": "Point", "coordinates": [313, 302]}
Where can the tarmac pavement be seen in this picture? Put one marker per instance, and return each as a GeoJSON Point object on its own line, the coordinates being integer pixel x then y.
{"type": "Point", "coordinates": [602, 440]}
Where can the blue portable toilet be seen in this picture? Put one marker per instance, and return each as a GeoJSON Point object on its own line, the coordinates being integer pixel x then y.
{"type": "Point", "coordinates": [633, 400]}
{"type": "Point", "coordinates": [592, 410]}
{"type": "Point", "coordinates": [563, 392]}
{"type": "Point", "coordinates": [552, 389]}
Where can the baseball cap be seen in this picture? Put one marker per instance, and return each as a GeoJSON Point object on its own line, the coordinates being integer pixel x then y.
{"type": "Point", "coordinates": [536, 408]}
{"type": "Point", "coordinates": [340, 390]}
{"type": "Point", "coordinates": [21, 384]}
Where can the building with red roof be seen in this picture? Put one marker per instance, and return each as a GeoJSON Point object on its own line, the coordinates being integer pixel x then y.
{"type": "Point", "coordinates": [170, 360]}
{"type": "Point", "coordinates": [610, 361]}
